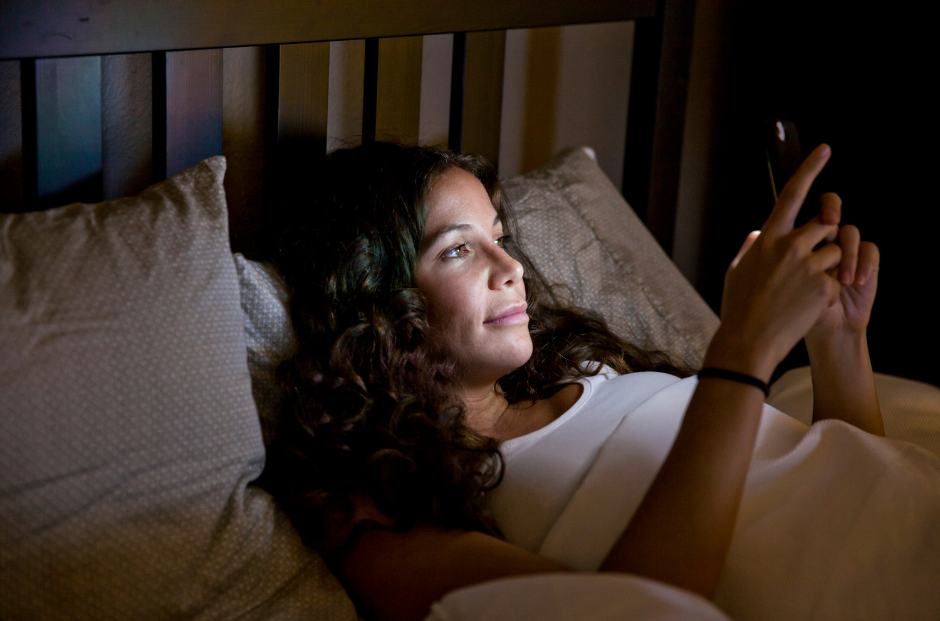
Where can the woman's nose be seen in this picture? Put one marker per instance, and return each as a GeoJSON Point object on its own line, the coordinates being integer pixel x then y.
{"type": "Point", "coordinates": [505, 270]}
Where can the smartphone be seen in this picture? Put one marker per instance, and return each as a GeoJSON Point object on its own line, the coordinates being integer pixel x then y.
{"type": "Point", "coordinates": [783, 152]}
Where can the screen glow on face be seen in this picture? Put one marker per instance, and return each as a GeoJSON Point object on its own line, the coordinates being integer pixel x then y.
{"type": "Point", "coordinates": [474, 289]}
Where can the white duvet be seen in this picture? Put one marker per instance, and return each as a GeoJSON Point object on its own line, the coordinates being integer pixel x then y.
{"type": "Point", "coordinates": [834, 524]}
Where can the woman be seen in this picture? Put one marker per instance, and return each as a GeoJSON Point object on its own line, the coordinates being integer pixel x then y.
{"type": "Point", "coordinates": [427, 338]}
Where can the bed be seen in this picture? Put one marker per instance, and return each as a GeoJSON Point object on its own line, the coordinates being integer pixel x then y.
{"type": "Point", "coordinates": [137, 352]}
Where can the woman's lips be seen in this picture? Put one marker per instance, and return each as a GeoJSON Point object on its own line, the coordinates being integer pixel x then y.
{"type": "Point", "coordinates": [512, 315]}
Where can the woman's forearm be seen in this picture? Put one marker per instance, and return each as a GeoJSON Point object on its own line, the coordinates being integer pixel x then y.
{"type": "Point", "coordinates": [843, 381]}
{"type": "Point", "coordinates": [681, 532]}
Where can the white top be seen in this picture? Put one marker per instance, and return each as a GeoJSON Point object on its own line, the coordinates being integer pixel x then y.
{"type": "Point", "coordinates": [543, 468]}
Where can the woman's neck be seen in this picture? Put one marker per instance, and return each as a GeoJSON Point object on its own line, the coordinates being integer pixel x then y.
{"type": "Point", "coordinates": [491, 415]}
{"type": "Point", "coordinates": [485, 407]}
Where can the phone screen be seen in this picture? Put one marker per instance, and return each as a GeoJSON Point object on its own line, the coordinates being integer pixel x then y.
{"type": "Point", "coordinates": [783, 152]}
{"type": "Point", "coordinates": [783, 158]}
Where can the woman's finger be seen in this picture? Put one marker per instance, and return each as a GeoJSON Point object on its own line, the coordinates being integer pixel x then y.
{"type": "Point", "coordinates": [830, 208]}
{"type": "Point", "coordinates": [813, 233]}
{"type": "Point", "coordinates": [826, 258]}
{"type": "Point", "coordinates": [748, 242]}
{"type": "Point", "coordinates": [869, 259]}
{"type": "Point", "coordinates": [794, 192]}
{"type": "Point", "coordinates": [849, 240]}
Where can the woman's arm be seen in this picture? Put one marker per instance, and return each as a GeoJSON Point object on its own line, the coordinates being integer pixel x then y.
{"type": "Point", "coordinates": [843, 382]}
{"type": "Point", "coordinates": [397, 575]}
{"type": "Point", "coordinates": [681, 531]}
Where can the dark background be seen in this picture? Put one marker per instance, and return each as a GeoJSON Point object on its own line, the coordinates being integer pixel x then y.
{"type": "Point", "coordinates": [862, 81]}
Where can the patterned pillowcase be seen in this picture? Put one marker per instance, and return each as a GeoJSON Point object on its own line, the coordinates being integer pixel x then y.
{"type": "Point", "coordinates": [581, 233]}
{"type": "Point", "coordinates": [268, 335]}
{"type": "Point", "coordinates": [128, 435]}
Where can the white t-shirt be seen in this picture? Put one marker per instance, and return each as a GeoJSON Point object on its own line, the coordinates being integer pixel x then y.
{"type": "Point", "coordinates": [543, 468]}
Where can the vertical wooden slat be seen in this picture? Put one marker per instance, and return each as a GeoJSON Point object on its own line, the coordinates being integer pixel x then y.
{"type": "Point", "coordinates": [483, 93]}
{"type": "Point", "coordinates": [68, 130]}
{"type": "Point", "coordinates": [193, 108]}
{"type": "Point", "coordinates": [126, 124]}
{"type": "Point", "coordinates": [398, 93]}
{"type": "Point", "coordinates": [542, 79]}
{"type": "Point", "coordinates": [436, 69]}
{"type": "Point", "coordinates": [272, 87]}
{"type": "Point", "coordinates": [243, 109]}
{"type": "Point", "coordinates": [158, 114]}
{"type": "Point", "coordinates": [347, 76]}
{"type": "Point", "coordinates": [370, 85]}
{"type": "Point", "coordinates": [28, 108]}
{"type": "Point", "coordinates": [304, 96]}
{"type": "Point", "coordinates": [458, 76]}
{"type": "Point", "coordinates": [11, 137]}
{"type": "Point", "coordinates": [658, 92]}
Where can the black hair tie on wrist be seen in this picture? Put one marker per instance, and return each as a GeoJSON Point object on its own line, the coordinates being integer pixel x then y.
{"type": "Point", "coordinates": [734, 376]}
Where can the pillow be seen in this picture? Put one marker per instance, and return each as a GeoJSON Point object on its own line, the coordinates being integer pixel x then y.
{"type": "Point", "coordinates": [128, 435]}
{"type": "Point", "coordinates": [268, 335]}
{"type": "Point", "coordinates": [579, 231]}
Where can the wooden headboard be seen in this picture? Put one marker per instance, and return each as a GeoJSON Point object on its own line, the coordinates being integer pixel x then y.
{"type": "Point", "coordinates": [62, 46]}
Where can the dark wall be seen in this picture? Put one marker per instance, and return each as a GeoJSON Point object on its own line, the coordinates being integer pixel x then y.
{"type": "Point", "coordinates": [861, 81]}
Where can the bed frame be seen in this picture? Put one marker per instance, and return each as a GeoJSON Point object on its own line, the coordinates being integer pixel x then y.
{"type": "Point", "coordinates": [61, 46]}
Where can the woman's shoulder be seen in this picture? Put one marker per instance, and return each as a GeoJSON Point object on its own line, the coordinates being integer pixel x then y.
{"type": "Point", "coordinates": [611, 380]}
{"type": "Point", "coordinates": [605, 396]}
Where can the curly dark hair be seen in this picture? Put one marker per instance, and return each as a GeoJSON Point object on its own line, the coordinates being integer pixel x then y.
{"type": "Point", "coordinates": [371, 406]}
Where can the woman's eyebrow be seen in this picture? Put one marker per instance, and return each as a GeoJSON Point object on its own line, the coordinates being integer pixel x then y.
{"type": "Point", "coordinates": [429, 241]}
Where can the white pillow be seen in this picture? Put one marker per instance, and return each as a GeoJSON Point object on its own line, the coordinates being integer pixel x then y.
{"type": "Point", "coordinates": [268, 335]}
{"type": "Point", "coordinates": [128, 435]}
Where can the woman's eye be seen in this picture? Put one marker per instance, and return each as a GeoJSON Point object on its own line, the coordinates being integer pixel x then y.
{"type": "Point", "coordinates": [457, 251]}
{"type": "Point", "coordinates": [503, 240]}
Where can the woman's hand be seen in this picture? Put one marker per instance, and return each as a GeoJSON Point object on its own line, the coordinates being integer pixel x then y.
{"type": "Point", "coordinates": [843, 381]}
{"type": "Point", "coordinates": [778, 287]}
{"type": "Point", "coordinates": [857, 275]}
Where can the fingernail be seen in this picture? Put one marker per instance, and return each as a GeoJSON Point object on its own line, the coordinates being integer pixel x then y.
{"type": "Point", "coordinates": [861, 280]}
{"type": "Point", "coordinates": [845, 277]}
{"type": "Point", "coordinates": [824, 151]}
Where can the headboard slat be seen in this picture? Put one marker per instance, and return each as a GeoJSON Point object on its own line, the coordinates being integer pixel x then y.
{"type": "Point", "coordinates": [68, 130]}
{"type": "Point", "coordinates": [458, 77]}
{"type": "Point", "coordinates": [243, 123]}
{"type": "Point", "coordinates": [193, 108]}
{"type": "Point", "coordinates": [11, 135]}
{"type": "Point", "coordinates": [483, 93]}
{"type": "Point", "coordinates": [303, 95]}
{"type": "Point", "coordinates": [126, 124]}
{"type": "Point", "coordinates": [370, 85]}
{"type": "Point", "coordinates": [398, 90]}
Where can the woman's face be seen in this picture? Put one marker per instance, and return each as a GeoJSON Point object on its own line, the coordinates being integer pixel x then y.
{"type": "Point", "coordinates": [474, 290]}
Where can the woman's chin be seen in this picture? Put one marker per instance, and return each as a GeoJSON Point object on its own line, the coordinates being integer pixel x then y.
{"type": "Point", "coordinates": [515, 355]}
{"type": "Point", "coordinates": [509, 356]}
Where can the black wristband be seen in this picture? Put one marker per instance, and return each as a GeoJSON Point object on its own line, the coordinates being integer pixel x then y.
{"type": "Point", "coordinates": [734, 376]}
